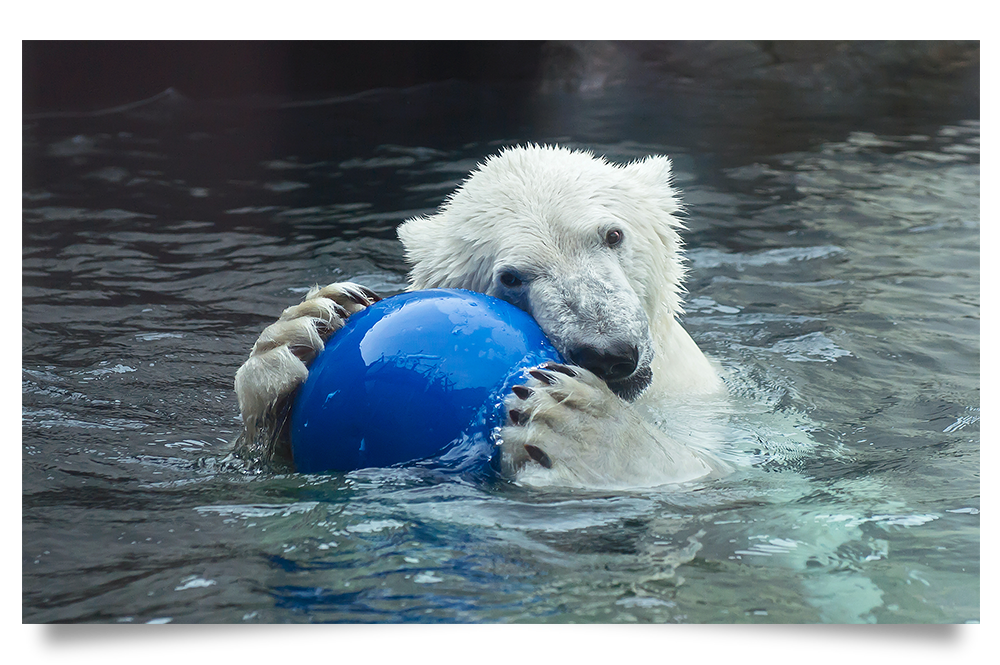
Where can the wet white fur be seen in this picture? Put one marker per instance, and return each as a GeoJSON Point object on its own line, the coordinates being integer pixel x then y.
{"type": "Point", "coordinates": [545, 211]}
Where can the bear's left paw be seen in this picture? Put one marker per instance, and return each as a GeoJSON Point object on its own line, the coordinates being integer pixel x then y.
{"type": "Point", "coordinates": [557, 418]}
{"type": "Point", "coordinates": [565, 427]}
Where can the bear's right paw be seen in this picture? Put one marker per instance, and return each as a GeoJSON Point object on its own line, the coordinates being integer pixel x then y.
{"type": "Point", "coordinates": [280, 356]}
{"type": "Point", "coordinates": [304, 328]}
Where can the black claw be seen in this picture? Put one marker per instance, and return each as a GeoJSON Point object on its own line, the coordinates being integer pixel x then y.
{"type": "Point", "coordinates": [323, 327]}
{"type": "Point", "coordinates": [562, 369]}
{"type": "Point", "coordinates": [537, 454]}
{"type": "Point", "coordinates": [357, 298]}
{"type": "Point", "coordinates": [362, 295]}
{"type": "Point", "coordinates": [543, 376]}
{"type": "Point", "coordinates": [517, 417]}
{"type": "Point", "coordinates": [302, 352]}
{"type": "Point", "coordinates": [339, 310]}
{"type": "Point", "coordinates": [522, 392]}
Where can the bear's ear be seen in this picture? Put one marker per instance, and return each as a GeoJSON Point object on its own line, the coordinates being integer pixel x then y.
{"type": "Point", "coordinates": [425, 239]}
{"type": "Point", "coordinates": [654, 171]}
{"type": "Point", "coordinates": [652, 179]}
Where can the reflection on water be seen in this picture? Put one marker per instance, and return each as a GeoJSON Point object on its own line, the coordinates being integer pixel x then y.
{"type": "Point", "coordinates": [836, 279]}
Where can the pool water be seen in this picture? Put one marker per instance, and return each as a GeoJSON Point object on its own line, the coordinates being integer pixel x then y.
{"type": "Point", "coordinates": [834, 276]}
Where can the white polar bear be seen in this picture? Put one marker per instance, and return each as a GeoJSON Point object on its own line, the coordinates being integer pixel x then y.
{"type": "Point", "coordinates": [590, 249]}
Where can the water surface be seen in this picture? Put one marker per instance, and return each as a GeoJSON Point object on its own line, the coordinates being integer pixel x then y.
{"type": "Point", "coordinates": [835, 276]}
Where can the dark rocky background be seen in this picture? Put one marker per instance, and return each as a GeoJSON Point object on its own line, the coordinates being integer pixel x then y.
{"type": "Point", "coordinates": [820, 76]}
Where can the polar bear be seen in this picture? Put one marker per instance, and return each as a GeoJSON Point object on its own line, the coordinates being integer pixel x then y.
{"type": "Point", "coordinates": [590, 249]}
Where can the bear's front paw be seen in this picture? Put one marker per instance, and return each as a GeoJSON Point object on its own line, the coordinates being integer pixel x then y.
{"type": "Point", "coordinates": [560, 418]}
{"type": "Point", "coordinates": [565, 427]}
{"type": "Point", "coordinates": [304, 328]}
{"type": "Point", "coordinates": [279, 358]}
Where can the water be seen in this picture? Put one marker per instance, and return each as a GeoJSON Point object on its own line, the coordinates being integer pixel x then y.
{"type": "Point", "coordinates": [835, 276]}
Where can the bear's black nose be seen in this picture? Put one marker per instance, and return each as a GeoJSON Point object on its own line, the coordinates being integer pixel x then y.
{"type": "Point", "coordinates": [612, 363]}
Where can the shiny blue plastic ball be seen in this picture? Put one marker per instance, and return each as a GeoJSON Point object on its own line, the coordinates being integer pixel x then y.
{"type": "Point", "coordinates": [418, 376]}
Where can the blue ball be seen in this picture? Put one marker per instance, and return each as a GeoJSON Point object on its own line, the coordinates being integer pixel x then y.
{"type": "Point", "coordinates": [418, 376]}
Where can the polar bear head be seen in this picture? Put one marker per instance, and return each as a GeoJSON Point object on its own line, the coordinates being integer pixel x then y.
{"type": "Point", "coordinates": [587, 247]}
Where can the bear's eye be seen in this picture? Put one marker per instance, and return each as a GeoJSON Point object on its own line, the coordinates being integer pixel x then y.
{"type": "Point", "coordinates": [510, 279]}
{"type": "Point", "coordinates": [614, 237]}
